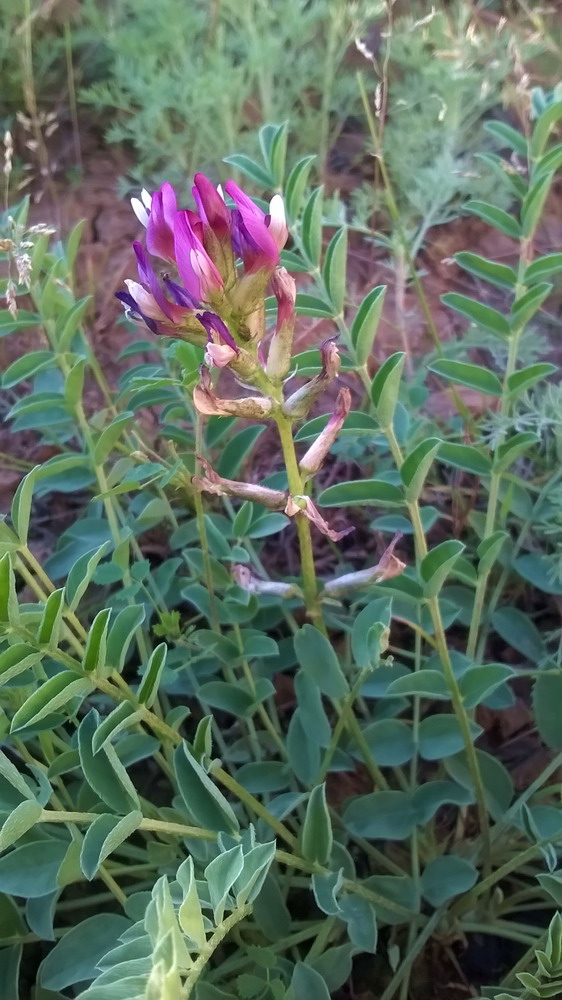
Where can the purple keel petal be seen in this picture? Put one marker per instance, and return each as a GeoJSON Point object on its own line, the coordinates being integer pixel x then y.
{"type": "Point", "coordinates": [132, 310]}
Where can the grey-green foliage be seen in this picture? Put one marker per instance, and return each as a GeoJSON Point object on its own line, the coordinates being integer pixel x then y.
{"type": "Point", "coordinates": [446, 72]}
{"type": "Point", "coordinates": [164, 953]}
{"type": "Point", "coordinates": [46, 56]}
{"type": "Point", "coordinates": [187, 83]}
{"type": "Point", "coordinates": [546, 981]}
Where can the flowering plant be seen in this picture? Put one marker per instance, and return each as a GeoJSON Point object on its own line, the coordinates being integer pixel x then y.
{"type": "Point", "coordinates": [225, 260]}
{"type": "Point", "coordinates": [231, 748]}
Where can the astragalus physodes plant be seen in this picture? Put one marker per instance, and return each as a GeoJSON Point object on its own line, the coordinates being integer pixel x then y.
{"type": "Point", "coordinates": [222, 780]}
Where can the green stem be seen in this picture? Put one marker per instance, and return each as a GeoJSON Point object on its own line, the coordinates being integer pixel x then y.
{"type": "Point", "coordinates": [511, 979]}
{"type": "Point", "coordinates": [202, 529]}
{"type": "Point", "coordinates": [519, 859]}
{"type": "Point", "coordinates": [551, 768]}
{"type": "Point", "coordinates": [414, 840]}
{"type": "Point", "coordinates": [212, 944]}
{"type": "Point", "coordinates": [165, 828]}
{"type": "Point", "coordinates": [408, 959]}
{"type": "Point", "coordinates": [444, 656]}
{"type": "Point", "coordinates": [495, 481]}
{"type": "Point", "coordinates": [504, 929]}
{"type": "Point", "coordinates": [396, 217]}
{"type": "Point", "coordinates": [346, 710]}
{"type": "Point", "coordinates": [310, 586]}
{"type": "Point", "coordinates": [296, 488]}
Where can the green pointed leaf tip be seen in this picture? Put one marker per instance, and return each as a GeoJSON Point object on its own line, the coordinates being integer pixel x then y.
{"type": "Point", "coordinates": [473, 376]}
{"type": "Point", "coordinates": [495, 217]}
{"type": "Point", "coordinates": [103, 837]}
{"type": "Point", "coordinates": [9, 608]}
{"type": "Point", "coordinates": [486, 317]}
{"type": "Point", "coordinates": [416, 466]}
{"type": "Point", "coordinates": [94, 655]}
{"type": "Point", "coordinates": [319, 661]}
{"type": "Point", "coordinates": [386, 386]}
{"type": "Point", "coordinates": [202, 798]}
{"type": "Point", "coordinates": [296, 185]}
{"type": "Point", "coordinates": [50, 696]}
{"type": "Point", "coordinates": [437, 564]}
{"type": "Point", "coordinates": [21, 505]}
{"type": "Point", "coordinates": [312, 226]}
{"type": "Point", "coordinates": [365, 325]}
{"type": "Point", "coordinates": [359, 492]}
{"type": "Point", "coordinates": [317, 837]}
{"type": "Point", "coordinates": [148, 689]}
{"type": "Point", "coordinates": [23, 818]}
{"type": "Point", "coordinates": [335, 268]}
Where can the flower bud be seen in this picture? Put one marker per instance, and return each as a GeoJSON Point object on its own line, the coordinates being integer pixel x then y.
{"type": "Point", "coordinates": [211, 206]}
{"type": "Point", "coordinates": [221, 346]}
{"type": "Point", "coordinates": [313, 459]}
{"type": "Point", "coordinates": [248, 307]}
{"type": "Point", "coordinates": [211, 482]}
{"type": "Point", "coordinates": [281, 345]}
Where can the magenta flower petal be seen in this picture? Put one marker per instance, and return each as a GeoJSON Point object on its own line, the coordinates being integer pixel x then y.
{"type": "Point", "coordinates": [211, 206]}
{"type": "Point", "coordinates": [221, 346]}
{"type": "Point", "coordinates": [256, 244]}
{"type": "Point", "coordinates": [148, 278]}
{"type": "Point", "coordinates": [198, 272]}
{"type": "Point", "coordinates": [184, 242]}
{"type": "Point", "coordinates": [217, 330]}
{"type": "Point", "coordinates": [160, 228]}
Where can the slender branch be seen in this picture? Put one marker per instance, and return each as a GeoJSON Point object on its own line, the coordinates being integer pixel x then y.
{"type": "Point", "coordinates": [445, 658]}
{"type": "Point", "coordinates": [212, 944]}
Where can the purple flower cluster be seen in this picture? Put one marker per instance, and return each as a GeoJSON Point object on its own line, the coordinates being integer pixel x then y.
{"type": "Point", "coordinates": [218, 263]}
{"type": "Point", "coordinates": [199, 292]}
